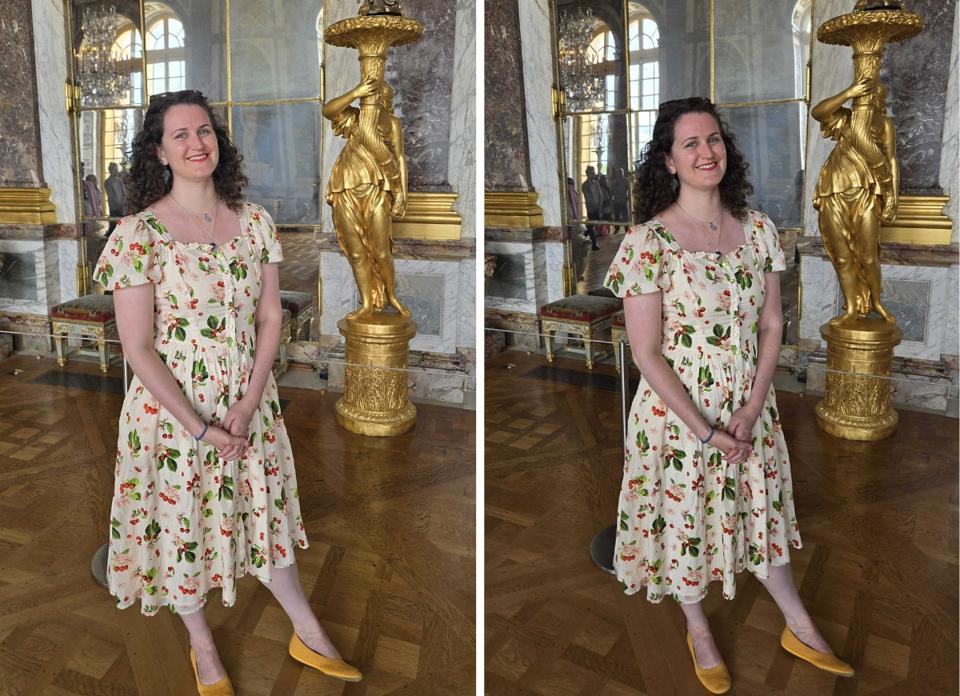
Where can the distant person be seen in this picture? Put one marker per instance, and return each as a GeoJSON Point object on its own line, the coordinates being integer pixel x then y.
{"type": "Point", "coordinates": [620, 195]}
{"type": "Point", "coordinates": [594, 194]}
{"type": "Point", "coordinates": [92, 202]}
{"type": "Point", "coordinates": [115, 193]}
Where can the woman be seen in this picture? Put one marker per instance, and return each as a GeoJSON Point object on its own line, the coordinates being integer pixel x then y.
{"type": "Point", "coordinates": [706, 489]}
{"type": "Point", "coordinates": [205, 489]}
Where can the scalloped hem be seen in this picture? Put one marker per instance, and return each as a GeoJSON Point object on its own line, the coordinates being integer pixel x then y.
{"type": "Point", "coordinates": [263, 576]}
{"type": "Point", "coordinates": [781, 561]}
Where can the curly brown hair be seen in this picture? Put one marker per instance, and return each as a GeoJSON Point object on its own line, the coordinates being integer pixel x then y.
{"type": "Point", "coordinates": [149, 181]}
{"type": "Point", "coordinates": [656, 188]}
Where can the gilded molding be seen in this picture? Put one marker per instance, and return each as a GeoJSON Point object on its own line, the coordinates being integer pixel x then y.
{"type": "Point", "coordinates": [27, 206]}
{"type": "Point", "coordinates": [429, 216]}
{"type": "Point", "coordinates": [920, 220]}
{"type": "Point", "coordinates": [512, 209]}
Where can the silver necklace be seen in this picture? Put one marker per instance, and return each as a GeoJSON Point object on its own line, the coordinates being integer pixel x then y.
{"type": "Point", "coordinates": [715, 225]}
{"type": "Point", "coordinates": [205, 216]}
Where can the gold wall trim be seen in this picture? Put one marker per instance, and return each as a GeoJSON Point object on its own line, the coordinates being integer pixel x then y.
{"type": "Point", "coordinates": [920, 220]}
{"type": "Point", "coordinates": [27, 206]}
{"type": "Point", "coordinates": [429, 216]}
{"type": "Point", "coordinates": [512, 209]}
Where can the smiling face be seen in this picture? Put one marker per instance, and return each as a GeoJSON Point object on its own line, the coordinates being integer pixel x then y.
{"type": "Point", "coordinates": [189, 143]}
{"type": "Point", "coordinates": [698, 156]}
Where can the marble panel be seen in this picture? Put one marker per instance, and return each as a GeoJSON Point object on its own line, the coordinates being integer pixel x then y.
{"type": "Point", "coordinates": [20, 157]}
{"type": "Point", "coordinates": [55, 138]}
{"type": "Point", "coordinates": [339, 291]}
{"type": "Point", "coordinates": [22, 277]}
{"type": "Point", "coordinates": [949, 314]}
{"type": "Point", "coordinates": [67, 257]}
{"type": "Point", "coordinates": [537, 84]}
{"type": "Point", "coordinates": [950, 149]}
{"type": "Point", "coordinates": [467, 305]}
{"type": "Point", "coordinates": [517, 279]}
{"type": "Point", "coordinates": [553, 263]}
{"type": "Point", "coordinates": [916, 71]}
{"type": "Point", "coordinates": [462, 164]}
{"type": "Point", "coordinates": [919, 297]}
{"type": "Point", "coordinates": [506, 161]}
{"type": "Point", "coordinates": [509, 277]}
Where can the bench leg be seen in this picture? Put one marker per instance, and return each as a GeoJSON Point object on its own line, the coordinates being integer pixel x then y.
{"type": "Point", "coordinates": [548, 344]}
{"type": "Point", "coordinates": [102, 349]}
{"type": "Point", "coordinates": [58, 341]}
{"type": "Point", "coordinates": [587, 351]}
{"type": "Point", "coordinates": [616, 356]}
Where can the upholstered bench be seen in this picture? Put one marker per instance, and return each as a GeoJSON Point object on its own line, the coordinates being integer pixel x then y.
{"type": "Point", "coordinates": [618, 331]}
{"type": "Point", "coordinates": [585, 316]}
{"type": "Point", "coordinates": [300, 305]}
{"type": "Point", "coordinates": [90, 316]}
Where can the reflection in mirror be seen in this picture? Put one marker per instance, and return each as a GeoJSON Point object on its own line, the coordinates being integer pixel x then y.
{"type": "Point", "coordinates": [106, 139]}
{"type": "Point", "coordinates": [761, 50]}
{"type": "Point", "coordinates": [108, 54]}
{"type": "Point", "coordinates": [590, 51]}
{"type": "Point", "coordinates": [597, 161]}
{"type": "Point", "coordinates": [769, 138]}
{"type": "Point", "coordinates": [684, 48]}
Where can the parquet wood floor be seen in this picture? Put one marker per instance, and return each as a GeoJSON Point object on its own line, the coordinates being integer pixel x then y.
{"type": "Point", "coordinates": [390, 569]}
{"type": "Point", "coordinates": [878, 570]}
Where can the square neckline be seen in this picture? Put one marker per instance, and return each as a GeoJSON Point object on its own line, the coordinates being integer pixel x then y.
{"type": "Point", "coordinates": [672, 239]}
{"type": "Point", "coordinates": [244, 213]}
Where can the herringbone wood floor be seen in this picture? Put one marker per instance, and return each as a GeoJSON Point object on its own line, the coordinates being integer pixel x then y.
{"type": "Point", "coordinates": [878, 570]}
{"type": "Point", "coordinates": [390, 569]}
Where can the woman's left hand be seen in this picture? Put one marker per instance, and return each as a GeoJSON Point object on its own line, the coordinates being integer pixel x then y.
{"type": "Point", "coordinates": [741, 422]}
{"type": "Point", "coordinates": [238, 417]}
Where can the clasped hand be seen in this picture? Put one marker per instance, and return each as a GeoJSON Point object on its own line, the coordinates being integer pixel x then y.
{"type": "Point", "coordinates": [232, 435]}
{"type": "Point", "coordinates": [736, 441]}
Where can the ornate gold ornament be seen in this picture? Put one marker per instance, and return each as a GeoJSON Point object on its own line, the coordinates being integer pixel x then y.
{"type": "Point", "coordinates": [367, 189]}
{"type": "Point", "coordinates": [858, 189]}
{"type": "Point", "coordinates": [26, 206]}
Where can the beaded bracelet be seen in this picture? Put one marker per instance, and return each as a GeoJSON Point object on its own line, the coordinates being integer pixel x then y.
{"type": "Point", "coordinates": [203, 432]}
{"type": "Point", "coordinates": [709, 435]}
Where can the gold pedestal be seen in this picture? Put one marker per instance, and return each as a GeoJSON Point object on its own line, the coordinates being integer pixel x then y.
{"type": "Point", "coordinates": [857, 401]}
{"type": "Point", "coordinates": [375, 399]}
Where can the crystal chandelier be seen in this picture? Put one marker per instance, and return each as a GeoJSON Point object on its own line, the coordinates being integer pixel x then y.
{"type": "Point", "coordinates": [102, 82]}
{"type": "Point", "coordinates": [580, 78]}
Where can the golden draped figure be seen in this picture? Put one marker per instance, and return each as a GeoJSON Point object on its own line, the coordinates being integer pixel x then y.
{"type": "Point", "coordinates": [368, 185]}
{"type": "Point", "coordinates": [857, 189]}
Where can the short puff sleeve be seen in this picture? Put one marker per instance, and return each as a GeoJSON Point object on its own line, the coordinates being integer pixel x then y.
{"type": "Point", "coordinates": [130, 256]}
{"type": "Point", "coordinates": [641, 265]}
{"type": "Point", "coordinates": [265, 235]}
{"type": "Point", "coordinates": [768, 243]}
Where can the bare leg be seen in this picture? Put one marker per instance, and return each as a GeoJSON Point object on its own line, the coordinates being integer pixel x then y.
{"type": "Point", "coordinates": [380, 238]}
{"type": "Point", "coordinates": [868, 240]}
{"type": "Point", "coordinates": [286, 588]}
{"type": "Point", "coordinates": [779, 584]}
{"type": "Point", "coordinates": [699, 629]}
{"type": "Point", "coordinates": [209, 667]}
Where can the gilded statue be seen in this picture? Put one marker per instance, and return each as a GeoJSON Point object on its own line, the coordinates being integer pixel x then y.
{"type": "Point", "coordinates": [368, 185]}
{"type": "Point", "coordinates": [857, 189]}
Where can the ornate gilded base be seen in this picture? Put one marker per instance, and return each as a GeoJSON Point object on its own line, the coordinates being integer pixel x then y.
{"type": "Point", "coordinates": [375, 399]}
{"type": "Point", "coordinates": [857, 401]}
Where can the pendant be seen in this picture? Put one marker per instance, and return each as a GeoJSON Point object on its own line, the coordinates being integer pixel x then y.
{"type": "Point", "coordinates": [208, 219]}
{"type": "Point", "coordinates": [713, 226]}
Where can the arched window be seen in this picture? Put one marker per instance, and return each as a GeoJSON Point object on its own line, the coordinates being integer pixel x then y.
{"type": "Point", "coordinates": [165, 55]}
{"type": "Point", "coordinates": [644, 43]}
{"type": "Point", "coordinates": [120, 125]}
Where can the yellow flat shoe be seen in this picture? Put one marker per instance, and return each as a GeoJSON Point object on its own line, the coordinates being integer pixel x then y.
{"type": "Point", "coordinates": [328, 665]}
{"type": "Point", "coordinates": [716, 680]}
{"type": "Point", "coordinates": [220, 688]}
{"type": "Point", "coordinates": [820, 660]}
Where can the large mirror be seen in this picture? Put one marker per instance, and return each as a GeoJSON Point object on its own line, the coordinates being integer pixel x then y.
{"type": "Point", "coordinates": [262, 70]}
{"type": "Point", "coordinates": [618, 60]}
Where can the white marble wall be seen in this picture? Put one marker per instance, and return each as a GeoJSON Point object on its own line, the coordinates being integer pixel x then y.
{"type": "Point", "coordinates": [950, 152]}
{"type": "Point", "coordinates": [67, 256]}
{"type": "Point", "coordinates": [513, 304]}
{"type": "Point", "coordinates": [55, 140]}
{"type": "Point", "coordinates": [46, 271]}
{"type": "Point", "coordinates": [548, 271]}
{"type": "Point", "coordinates": [541, 129]}
{"type": "Point", "coordinates": [445, 285]}
{"type": "Point", "coordinates": [821, 297]}
{"type": "Point", "coordinates": [951, 315]}
{"type": "Point", "coordinates": [467, 304]}
{"type": "Point", "coordinates": [462, 161]}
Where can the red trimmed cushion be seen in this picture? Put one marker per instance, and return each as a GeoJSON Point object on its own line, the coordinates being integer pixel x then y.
{"type": "Point", "coordinates": [295, 301]}
{"type": "Point", "coordinates": [98, 308]}
{"type": "Point", "coordinates": [581, 308]}
{"type": "Point", "coordinates": [618, 319]}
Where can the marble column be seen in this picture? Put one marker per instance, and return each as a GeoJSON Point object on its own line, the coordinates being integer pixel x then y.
{"type": "Point", "coordinates": [21, 161]}
{"type": "Point", "coordinates": [434, 84]}
{"type": "Point", "coordinates": [919, 281]}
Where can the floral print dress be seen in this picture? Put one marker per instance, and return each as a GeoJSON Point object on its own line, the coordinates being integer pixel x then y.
{"type": "Point", "coordinates": [183, 520]}
{"type": "Point", "coordinates": [686, 517]}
